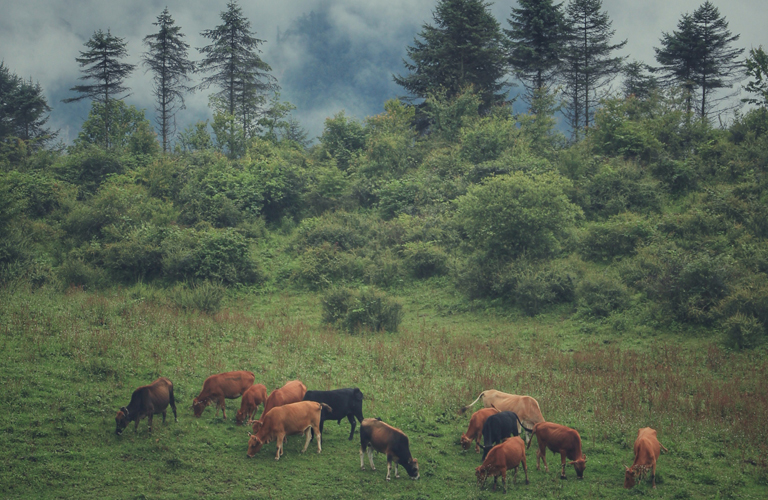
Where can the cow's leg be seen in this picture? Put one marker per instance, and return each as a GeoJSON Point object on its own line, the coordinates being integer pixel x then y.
{"type": "Point", "coordinates": [525, 468]}
{"type": "Point", "coordinates": [149, 421]}
{"type": "Point", "coordinates": [280, 438]}
{"type": "Point", "coordinates": [164, 412]}
{"type": "Point", "coordinates": [136, 425]}
{"type": "Point", "coordinates": [397, 476]}
{"type": "Point", "coordinates": [495, 478]}
{"type": "Point", "coordinates": [653, 475]}
{"type": "Point", "coordinates": [223, 408]}
{"type": "Point", "coordinates": [477, 444]}
{"type": "Point", "coordinates": [514, 476]}
{"type": "Point", "coordinates": [352, 422]}
{"type": "Point", "coordinates": [389, 467]}
{"type": "Point", "coordinates": [562, 464]}
{"type": "Point", "coordinates": [308, 437]}
{"type": "Point", "coordinates": [319, 440]}
{"type": "Point", "coordinates": [370, 457]}
{"type": "Point", "coordinates": [362, 462]}
{"type": "Point", "coordinates": [504, 479]}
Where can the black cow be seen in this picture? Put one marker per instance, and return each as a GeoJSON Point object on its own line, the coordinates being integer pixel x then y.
{"type": "Point", "coordinates": [344, 402]}
{"type": "Point", "coordinates": [146, 401]}
{"type": "Point", "coordinates": [499, 427]}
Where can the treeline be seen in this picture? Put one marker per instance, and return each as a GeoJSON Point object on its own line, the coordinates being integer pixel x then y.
{"type": "Point", "coordinates": [654, 218]}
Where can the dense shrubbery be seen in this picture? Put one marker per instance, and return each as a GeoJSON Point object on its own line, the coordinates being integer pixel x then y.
{"type": "Point", "coordinates": [363, 309]}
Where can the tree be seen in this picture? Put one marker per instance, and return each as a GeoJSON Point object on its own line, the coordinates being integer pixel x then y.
{"type": "Point", "coordinates": [536, 42]}
{"type": "Point", "coordinates": [237, 70]}
{"type": "Point", "coordinates": [757, 68]}
{"type": "Point", "coordinates": [101, 63]}
{"type": "Point", "coordinates": [638, 81]}
{"type": "Point", "coordinates": [464, 48]}
{"type": "Point", "coordinates": [167, 59]}
{"type": "Point", "coordinates": [699, 57]}
{"type": "Point", "coordinates": [23, 109]}
{"type": "Point", "coordinates": [128, 128]}
{"type": "Point", "coordinates": [589, 64]}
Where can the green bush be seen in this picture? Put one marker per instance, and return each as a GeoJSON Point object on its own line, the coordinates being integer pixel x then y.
{"type": "Point", "coordinates": [600, 295]}
{"type": "Point", "coordinates": [326, 265]}
{"type": "Point", "coordinates": [616, 188]}
{"type": "Point", "coordinates": [364, 309]}
{"type": "Point", "coordinates": [425, 259]}
{"type": "Point", "coordinates": [75, 271]}
{"type": "Point", "coordinates": [88, 167]}
{"type": "Point", "coordinates": [542, 285]}
{"type": "Point", "coordinates": [204, 296]}
{"type": "Point", "coordinates": [617, 237]}
{"type": "Point", "coordinates": [744, 331]}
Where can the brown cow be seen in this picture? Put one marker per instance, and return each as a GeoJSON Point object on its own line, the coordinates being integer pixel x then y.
{"type": "Point", "coordinates": [647, 451]}
{"type": "Point", "coordinates": [291, 392]}
{"type": "Point", "coordinates": [217, 388]}
{"type": "Point", "coordinates": [252, 398]}
{"type": "Point", "coordinates": [475, 429]}
{"type": "Point", "coordinates": [526, 408]}
{"type": "Point", "coordinates": [146, 401]}
{"type": "Point", "coordinates": [376, 435]}
{"type": "Point", "coordinates": [286, 420]}
{"type": "Point", "coordinates": [501, 458]}
{"type": "Point", "coordinates": [562, 440]}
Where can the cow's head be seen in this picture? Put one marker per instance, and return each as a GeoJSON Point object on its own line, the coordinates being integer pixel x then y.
{"type": "Point", "coordinates": [465, 442]}
{"type": "Point", "coordinates": [257, 425]}
{"type": "Point", "coordinates": [579, 465]}
{"type": "Point", "coordinates": [199, 406]}
{"type": "Point", "coordinates": [633, 474]}
{"type": "Point", "coordinates": [254, 445]}
{"type": "Point", "coordinates": [240, 417]}
{"type": "Point", "coordinates": [481, 473]}
{"type": "Point", "coordinates": [412, 468]}
{"type": "Point", "coordinates": [121, 420]}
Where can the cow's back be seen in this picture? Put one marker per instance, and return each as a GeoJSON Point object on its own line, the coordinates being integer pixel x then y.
{"type": "Point", "coordinates": [477, 421]}
{"type": "Point", "coordinates": [559, 438]}
{"type": "Point", "coordinates": [647, 447]}
{"type": "Point", "coordinates": [291, 392]}
{"type": "Point", "coordinates": [289, 419]}
{"type": "Point", "coordinates": [343, 402]}
{"type": "Point", "coordinates": [526, 408]}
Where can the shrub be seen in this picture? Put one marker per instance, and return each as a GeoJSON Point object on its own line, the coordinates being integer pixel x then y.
{"type": "Point", "coordinates": [75, 271]}
{"type": "Point", "coordinates": [600, 295]}
{"type": "Point", "coordinates": [325, 265]}
{"type": "Point", "coordinates": [744, 331]}
{"type": "Point", "coordinates": [542, 285]}
{"type": "Point", "coordinates": [204, 296]}
{"type": "Point", "coordinates": [362, 309]}
{"type": "Point", "coordinates": [425, 259]}
{"type": "Point", "coordinates": [616, 237]}
{"type": "Point", "coordinates": [616, 188]}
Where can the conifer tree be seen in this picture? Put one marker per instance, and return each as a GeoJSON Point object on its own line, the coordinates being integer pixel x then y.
{"type": "Point", "coordinates": [237, 71]}
{"type": "Point", "coordinates": [101, 63]}
{"type": "Point", "coordinates": [589, 65]}
{"type": "Point", "coordinates": [757, 68]}
{"type": "Point", "coordinates": [168, 60]}
{"type": "Point", "coordinates": [537, 36]}
{"type": "Point", "coordinates": [638, 80]}
{"type": "Point", "coordinates": [464, 47]}
{"type": "Point", "coordinates": [23, 110]}
{"type": "Point", "coordinates": [699, 57]}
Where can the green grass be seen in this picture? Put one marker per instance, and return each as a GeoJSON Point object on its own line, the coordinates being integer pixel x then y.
{"type": "Point", "coordinates": [70, 361]}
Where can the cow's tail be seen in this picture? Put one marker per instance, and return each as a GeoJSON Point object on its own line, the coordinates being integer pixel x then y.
{"type": "Point", "coordinates": [465, 408]}
{"type": "Point", "coordinates": [324, 406]}
{"type": "Point", "coordinates": [533, 433]}
{"type": "Point", "coordinates": [530, 431]}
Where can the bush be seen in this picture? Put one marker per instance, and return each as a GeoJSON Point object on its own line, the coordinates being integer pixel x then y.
{"type": "Point", "coordinates": [361, 309]}
{"type": "Point", "coordinates": [425, 259]}
{"type": "Point", "coordinates": [616, 188]}
{"type": "Point", "coordinates": [75, 271]}
{"type": "Point", "coordinates": [325, 265]}
{"type": "Point", "coordinates": [539, 286]}
{"type": "Point", "coordinates": [744, 331]}
{"type": "Point", "coordinates": [616, 237]}
{"type": "Point", "coordinates": [204, 296]}
{"type": "Point", "coordinates": [600, 295]}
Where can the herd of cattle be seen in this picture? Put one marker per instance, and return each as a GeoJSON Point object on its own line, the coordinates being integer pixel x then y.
{"type": "Point", "coordinates": [292, 409]}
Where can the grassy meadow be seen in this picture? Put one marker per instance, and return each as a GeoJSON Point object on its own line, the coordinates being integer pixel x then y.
{"type": "Point", "coordinates": [71, 360]}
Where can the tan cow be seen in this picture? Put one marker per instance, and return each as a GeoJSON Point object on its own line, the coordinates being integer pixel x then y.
{"type": "Point", "coordinates": [526, 408]}
{"type": "Point", "coordinates": [286, 420]}
{"type": "Point", "coordinates": [217, 388]}
{"type": "Point", "coordinates": [146, 401]}
{"type": "Point", "coordinates": [475, 429]}
{"type": "Point", "coordinates": [562, 440]}
{"type": "Point", "coordinates": [291, 392]}
{"type": "Point", "coordinates": [252, 398]}
{"type": "Point", "coordinates": [647, 451]}
{"type": "Point", "coordinates": [502, 457]}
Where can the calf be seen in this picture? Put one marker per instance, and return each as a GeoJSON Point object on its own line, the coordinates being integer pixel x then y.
{"type": "Point", "coordinates": [376, 435]}
{"type": "Point", "coordinates": [252, 398]}
{"type": "Point", "coordinates": [475, 429]}
{"type": "Point", "coordinates": [647, 451]}
{"type": "Point", "coordinates": [526, 407]}
{"type": "Point", "coordinates": [498, 427]}
{"type": "Point", "coordinates": [345, 403]}
{"type": "Point", "coordinates": [217, 388]}
{"type": "Point", "coordinates": [286, 420]}
{"type": "Point", "coordinates": [291, 392]}
{"type": "Point", "coordinates": [501, 458]}
{"type": "Point", "coordinates": [562, 440]}
{"type": "Point", "coordinates": [146, 401]}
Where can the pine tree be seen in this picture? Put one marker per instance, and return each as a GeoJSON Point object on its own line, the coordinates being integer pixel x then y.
{"type": "Point", "coordinates": [757, 68]}
{"type": "Point", "coordinates": [536, 42]}
{"type": "Point", "coordinates": [237, 71]}
{"type": "Point", "coordinates": [168, 60]}
{"type": "Point", "coordinates": [589, 66]}
{"type": "Point", "coordinates": [101, 63]}
{"type": "Point", "coordinates": [699, 57]}
{"type": "Point", "coordinates": [463, 48]}
{"type": "Point", "coordinates": [638, 81]}
{"type": "Point", "coordinates": [23, 110]}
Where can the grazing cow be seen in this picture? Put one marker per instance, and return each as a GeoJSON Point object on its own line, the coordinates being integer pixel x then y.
{"type": "Point", "coordinates": [376, 435]}
{"type": "Point", "coordinates": [647, 451]}
{"type": "Point", "coordinates": [563, 440]}
{"type": "Point", "coordinates": [526, 407]}
{"type": "Point", "coordinates": [501, 458]}
{"type": "Point", "coordinates": [146, 401]}
{"type": "Point", "coordinates": [345, 403]}
{"type": "Point", "coordinates": [217, 388]}
{"type": "Point", "coordinates": [498, 427]}
{"type": "Point", "coordinates": [475, 429]}
{"type": "Point", "coordinates": [286, 420]}
{"type": "Point", "coordinates": [291, 392]}
{"type": "Point", "coordinates": [252, 398]}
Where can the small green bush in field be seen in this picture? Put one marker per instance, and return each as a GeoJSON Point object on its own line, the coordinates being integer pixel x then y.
{"type": "Point", "coordinates": [204, 296]}
{"type": "Point", "coordinates": [617, 237]}
{"type": "Point", "coordinates": [601, 295]}
{"type": "Point", "coordinates": [77, 272]}
{"type": "Point", "coordinates": [744, 331]}
{"type": "Point", "coordinates": [322, 266]}
{"type": "Point", "coordinates": [363, 309]}
{"type": "Point", "coordinates": [425, 259]}
{"type": "Point", "coordinates": [539, 286]}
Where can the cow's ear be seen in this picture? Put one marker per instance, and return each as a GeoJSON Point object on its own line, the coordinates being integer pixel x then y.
{"type": "Point", "coordinates": [627, 468]}
{"type": "Point", "coordinates": [249, 434]}
{"type": "Point", "coordinates": [584, 457]}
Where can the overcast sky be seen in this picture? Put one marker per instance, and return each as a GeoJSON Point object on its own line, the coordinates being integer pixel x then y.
{"type": "Point", "coordinates": [328, 55]}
